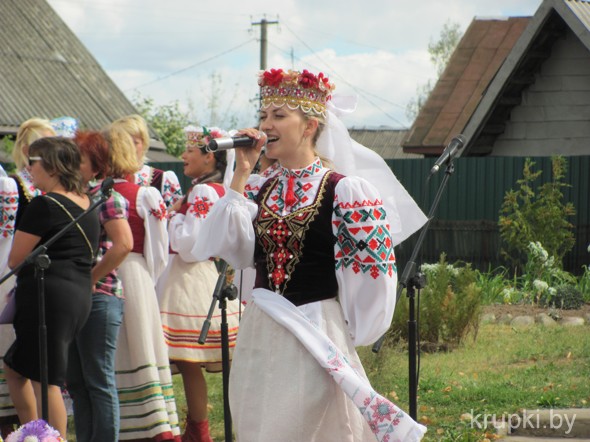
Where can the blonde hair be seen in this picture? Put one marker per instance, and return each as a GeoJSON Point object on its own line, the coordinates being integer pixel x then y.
{"type": "Point", "coordinates": [135, 126]}
{"type": "Point", "coordinates": [123, 158]}
{"type": "Point", "coordinates": [321, 125]}
{"type": "Point", "coordinates": [29, 131]}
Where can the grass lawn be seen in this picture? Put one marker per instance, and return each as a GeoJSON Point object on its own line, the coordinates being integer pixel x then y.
{"type": "Point", "coordinates": [501, 372]}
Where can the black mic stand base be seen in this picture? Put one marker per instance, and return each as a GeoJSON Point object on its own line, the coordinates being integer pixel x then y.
{"type": "Point", "coordinates": [412, 280]}
{"type": "Point", "coordinates": [222, 293]}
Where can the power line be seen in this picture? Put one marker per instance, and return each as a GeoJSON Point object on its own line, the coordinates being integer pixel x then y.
{"type": "Point", "coordinates": [191, 66]}
{"type": "Point", "coordinates": [363, 93]}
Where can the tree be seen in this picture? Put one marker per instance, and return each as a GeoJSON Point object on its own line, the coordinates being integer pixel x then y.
{"type": "Point", "coordinates": [533, 214]}
{"type": "Point", "coordinates": [168, 121]}
{"type": "Point", "coordinates": [440, 53]}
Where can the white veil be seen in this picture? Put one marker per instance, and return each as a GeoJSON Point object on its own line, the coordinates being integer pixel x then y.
{"type": "Point", "coordinates": [353, 159]}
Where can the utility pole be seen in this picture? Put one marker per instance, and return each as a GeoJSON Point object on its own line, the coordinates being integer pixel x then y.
{"type": "Point", "coordinates": [263, 40]}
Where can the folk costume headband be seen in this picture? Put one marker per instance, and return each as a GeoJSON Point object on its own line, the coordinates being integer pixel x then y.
{"type": "Point", "coordinates": [298, 90]}
{"type": "Point", "coordinates": [64, 126]}
{"type": "Point", "coordinates": [198, 137]}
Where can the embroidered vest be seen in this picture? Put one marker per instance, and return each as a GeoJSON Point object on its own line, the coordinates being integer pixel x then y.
{"type": "Point", "coordinates": [294, 254]}
{"type": "Point", "coordinates": [129, 191]}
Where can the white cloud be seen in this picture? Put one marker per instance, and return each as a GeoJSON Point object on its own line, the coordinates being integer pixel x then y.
{"type": "Point", "coordinates": [378, 48]}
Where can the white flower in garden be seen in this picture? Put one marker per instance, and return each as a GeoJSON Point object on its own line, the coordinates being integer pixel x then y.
{"type": "Point", "coordinates": [552, 291]}
{"type": "Point", "coordinates": [507, 294]}
{"type": "Point", "coordinates": [540, 286]}
{"type": "Point", "coordinates": [429, 269]}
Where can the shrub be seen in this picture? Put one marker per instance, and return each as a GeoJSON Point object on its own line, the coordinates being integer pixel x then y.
{"type": "Point", "coordinates": [448, 307]}
{"type": "Point", "coordinates": [584, 283]}
{"type": "Point", "coordinates": [565, 296]}
{"type": "Point", "coordinates": [537, 213]}
{"type": "Point", "coordinates": [493, 285]}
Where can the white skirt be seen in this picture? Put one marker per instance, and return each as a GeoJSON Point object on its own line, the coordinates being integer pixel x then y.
{"type": "Point", "coordinates": [185, 292]}
{"type": "Point", "coordinates": [7, 337]}
{"type": "Point", "coordinates": [144, 381]}
{"type": "Point", "coordinates": [278, 391]}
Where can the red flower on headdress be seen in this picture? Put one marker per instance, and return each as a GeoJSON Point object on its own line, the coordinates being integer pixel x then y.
{"type": "Point", "coordinates": [274, 77]}
{"type": "Point", "coordinates": [307, 79]}
{"type": "Point", "coordinates": [324, 82]}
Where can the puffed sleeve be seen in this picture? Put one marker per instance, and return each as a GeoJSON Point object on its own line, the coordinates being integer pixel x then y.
{"type": "Point", "coordinates": [171, 189]}
{"type": "Point", "coordinates": [365, 261]}
{"type": "Point", "coordinates": [227, 232]}
{"type": "Point", "coordinates": [8, 208]}
{"type": "Point", "coordinates": [151, 208]}
{"type": "Point", "coordinates": [184, 228]}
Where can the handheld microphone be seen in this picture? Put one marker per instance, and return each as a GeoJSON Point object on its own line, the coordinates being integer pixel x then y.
{"type": "Point", "coordinates": [107, 186]}
{"type": "Point", "coordinates": [449, 154]}
{"type": "Point", "coordinates": [231, 143]}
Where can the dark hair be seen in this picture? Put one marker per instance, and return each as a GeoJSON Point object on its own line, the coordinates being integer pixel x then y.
{"type": "Point", "coordinates": [60, 156]}
{"type": "Point", "coordinates": [220, 161]}
{"type": "Point", "coordinates": [96, 148]}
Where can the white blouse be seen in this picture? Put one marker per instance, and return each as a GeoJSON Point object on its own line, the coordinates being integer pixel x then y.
{"type": "Point", "coordinates": [365, 262]}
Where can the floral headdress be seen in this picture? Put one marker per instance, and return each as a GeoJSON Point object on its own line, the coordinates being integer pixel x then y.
{"type": "Point", "coordinates": [35, 431]}
{"type": "Point", "coordinates": [298, 90]}
{"type": "Point", "coordinates": [198, 137]}
{"type": "Point", "coordinates": [65, 126]}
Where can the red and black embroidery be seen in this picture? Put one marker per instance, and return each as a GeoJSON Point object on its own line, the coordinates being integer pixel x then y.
{"type": "Point", "coordinates": [282, 236]}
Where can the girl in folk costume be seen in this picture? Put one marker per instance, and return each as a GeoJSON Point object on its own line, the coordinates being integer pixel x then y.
{"type": "Point", "coordinates": [143, 377]}
{"type": "Point", "coordinates": [322, 244]}
{"type": "Point", "coordinates": [16, 191]}
{"type": "Point", "coordinates": [165, 181]}
{"type": "Point", "coordinates": [185, 290]}
{"type": "Point", "coordinates": [91, 365]}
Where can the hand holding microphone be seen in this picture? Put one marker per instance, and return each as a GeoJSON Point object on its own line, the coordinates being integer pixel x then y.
{"type": "Point", "coordinates": [226, 143]}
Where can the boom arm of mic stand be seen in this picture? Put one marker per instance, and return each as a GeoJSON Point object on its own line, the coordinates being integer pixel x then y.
{"type": "Point", "coordinates": [42, 261]}
{"type": "Point", "coordinates": [42, 249]}
{"type": "Point", "coordinates": [410, 268]}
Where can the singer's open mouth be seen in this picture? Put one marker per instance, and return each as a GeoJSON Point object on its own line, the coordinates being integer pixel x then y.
{"type": "Point", "coordinates": [271, 140]}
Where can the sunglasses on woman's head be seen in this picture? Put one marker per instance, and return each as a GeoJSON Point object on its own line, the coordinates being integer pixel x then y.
{"type": "Point", "coordinates": [33, 159]}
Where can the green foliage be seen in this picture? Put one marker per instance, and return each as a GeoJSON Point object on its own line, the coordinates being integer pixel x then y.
{"type": "Point", "coordinates": [584, 284]}
{"type": "Point", "coordinates": [493, 285]}
{"type": "Point", "coordinates": [565, 296]}
{"type": "Point", "coordinates": [449, 309]}
{"type": "Point", "coordinates": [168, 121]}
{"type": "Point", "coordinates": [537, 215]}
{"type": "Point", "coordinates": [440, 53]}
{"type": "Point", "coordinates": [7, 145]}
{"type": "Point", "coordinates": [441, 50]}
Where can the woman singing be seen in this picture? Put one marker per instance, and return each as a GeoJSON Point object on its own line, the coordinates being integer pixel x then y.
{"type": "Point", "coordinates": [322, 245]}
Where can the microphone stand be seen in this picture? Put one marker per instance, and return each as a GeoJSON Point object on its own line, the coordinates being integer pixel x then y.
{"type": "Point", "coordinates": [222, 293]}
{"type": "Point", "coordinates": [413, 280]}
{"type": "Point", "coordinates": [42, 262]}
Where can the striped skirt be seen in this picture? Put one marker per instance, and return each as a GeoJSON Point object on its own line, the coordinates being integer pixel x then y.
{"type": "Point", "coordinates": [185, 292]}
{"type": "Point", "coordinates": [144, 380]}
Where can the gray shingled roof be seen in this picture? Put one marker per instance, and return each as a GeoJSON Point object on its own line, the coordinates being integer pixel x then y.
{"type": "Point", "coordinates": [45, 71]}
{"type": "Point", "coordinates": [386, 142]}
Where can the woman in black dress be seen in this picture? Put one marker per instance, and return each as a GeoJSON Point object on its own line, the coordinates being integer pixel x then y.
{"type": "Point", "coordinates": [55, 169]}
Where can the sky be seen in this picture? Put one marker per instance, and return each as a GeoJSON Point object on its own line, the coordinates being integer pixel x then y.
{"type": "Point", "coordinates": [205, 55]}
